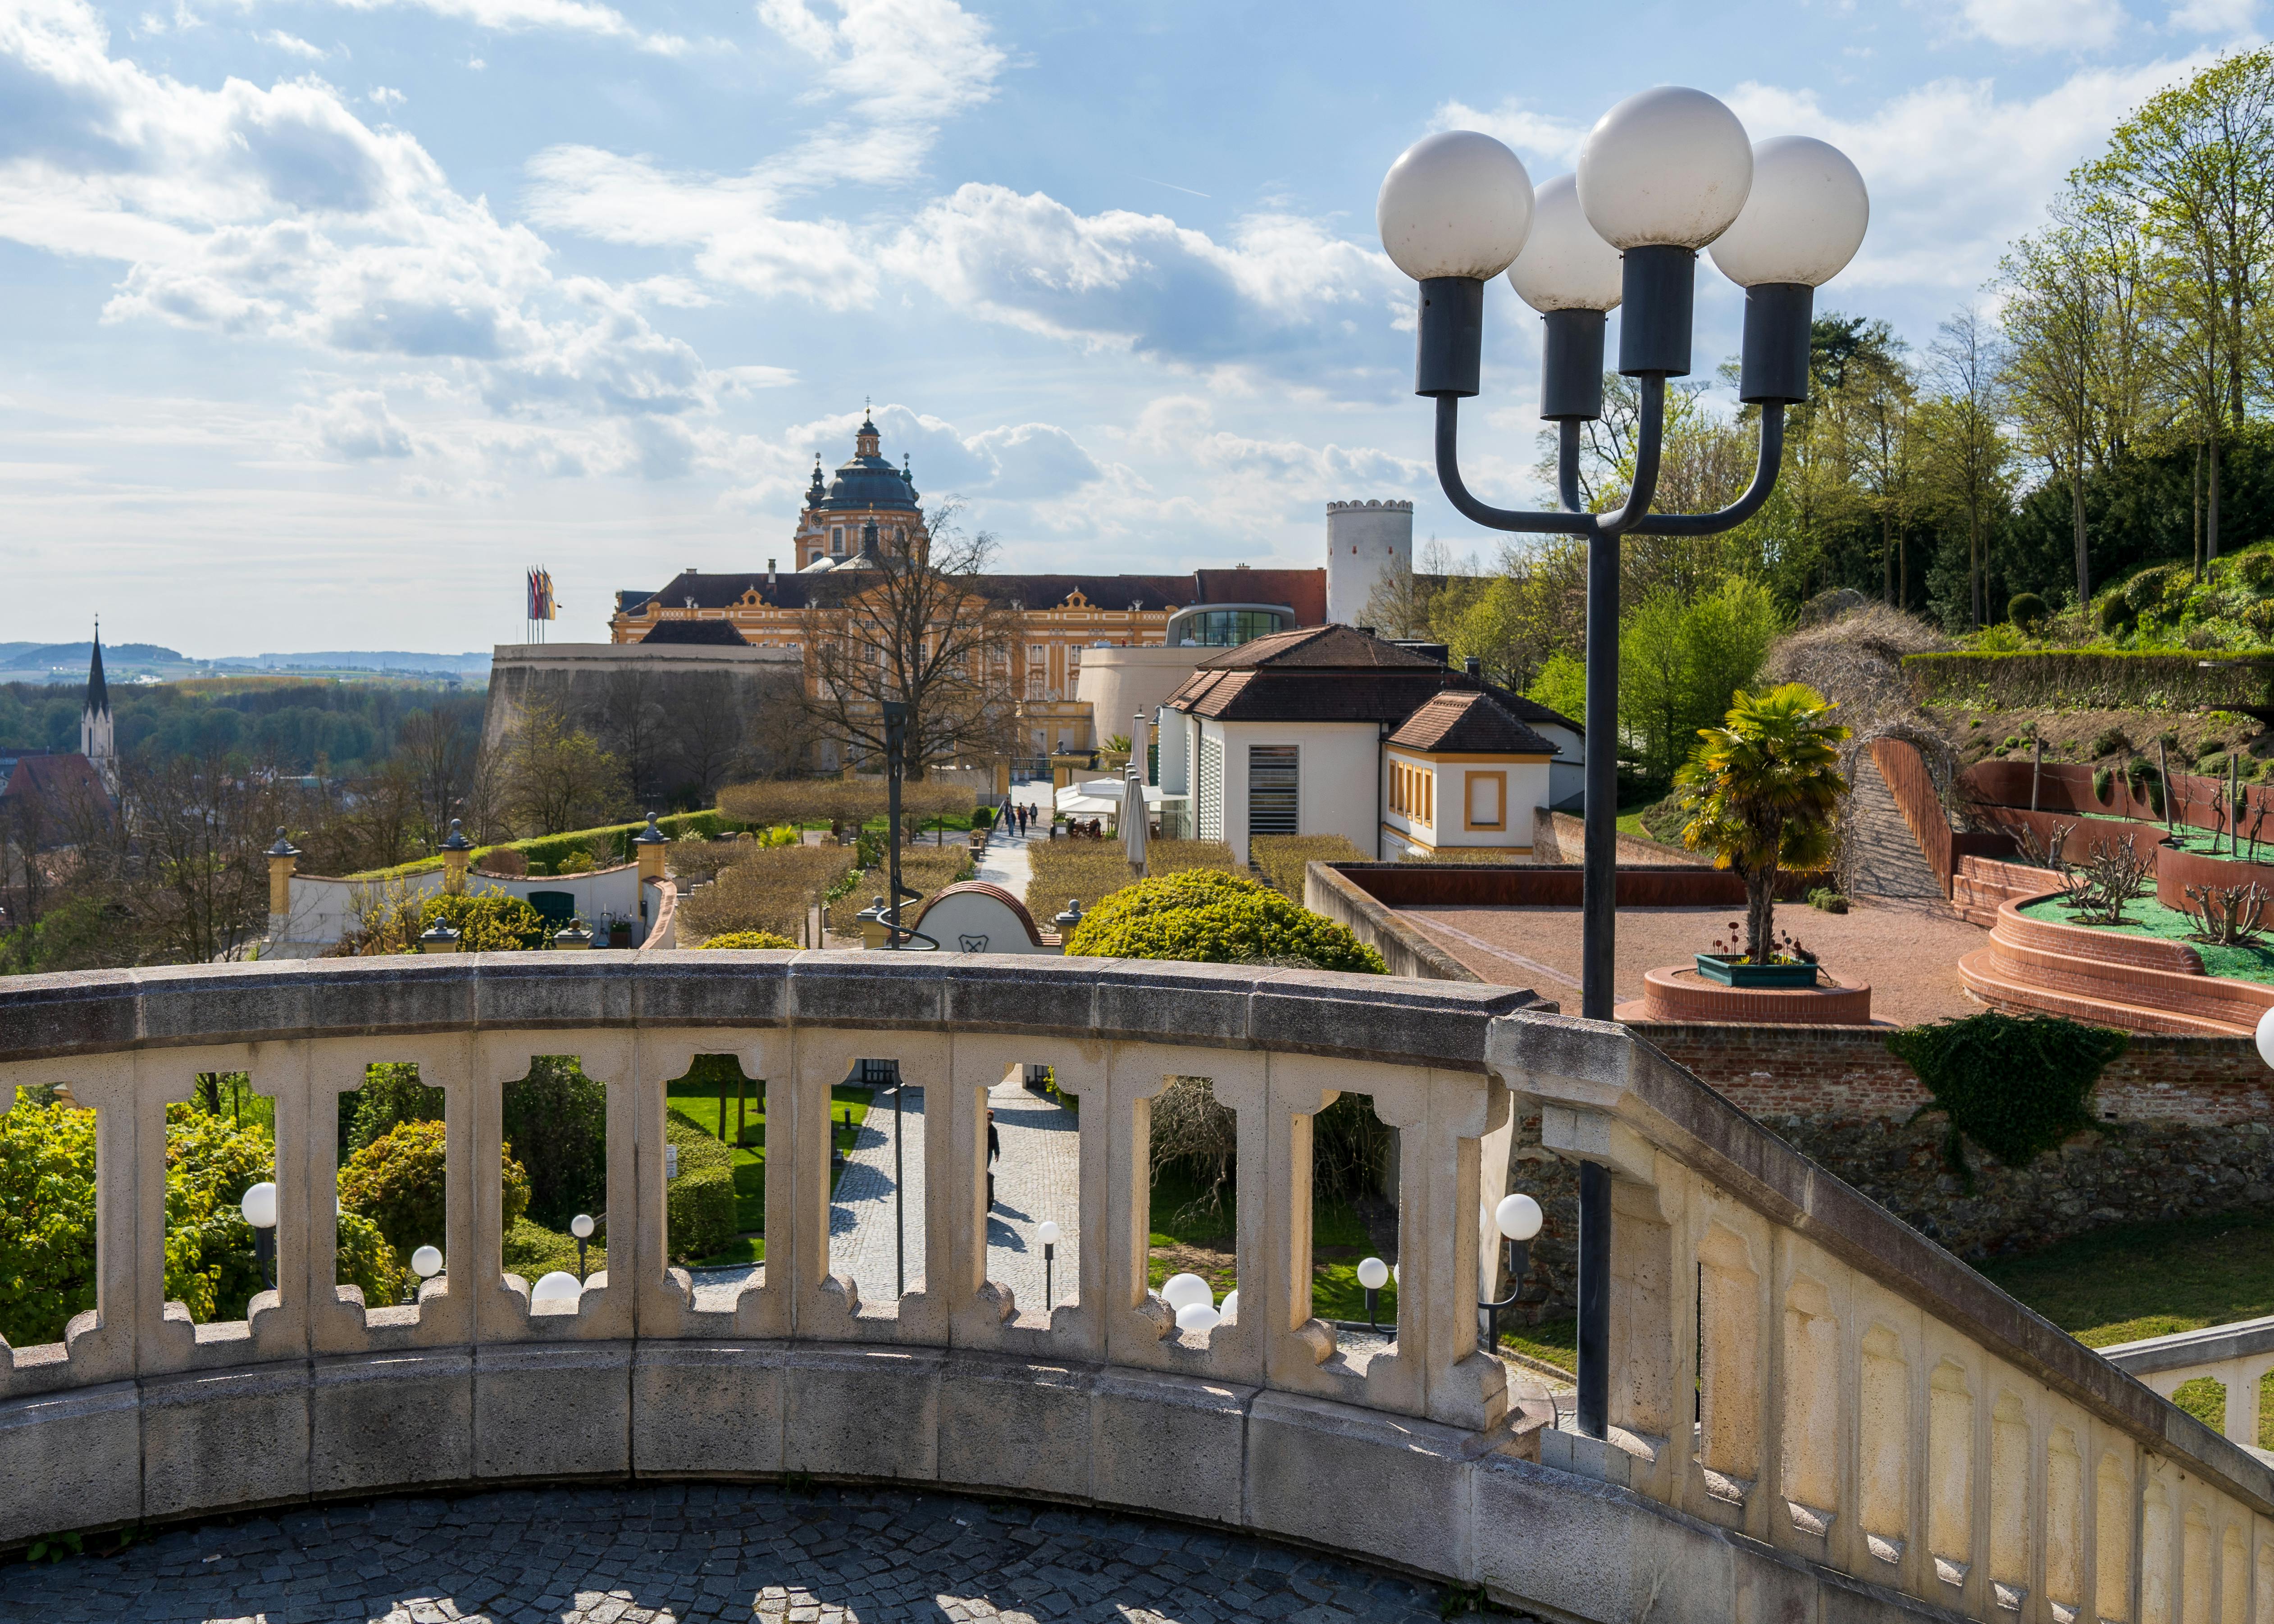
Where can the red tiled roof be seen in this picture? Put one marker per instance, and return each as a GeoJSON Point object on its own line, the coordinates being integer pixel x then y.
{"type": "Point", "coordinates": [1471, 723]}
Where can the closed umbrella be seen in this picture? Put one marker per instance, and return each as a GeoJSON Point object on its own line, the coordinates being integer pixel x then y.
{"type": "Point", "coordinates": [1135, 817]}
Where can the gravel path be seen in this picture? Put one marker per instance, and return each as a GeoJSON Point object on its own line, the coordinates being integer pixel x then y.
{"type": "Point", "coordinates": [681, 1553]}
{"type": "Point", "coordinates": [1907, 952]}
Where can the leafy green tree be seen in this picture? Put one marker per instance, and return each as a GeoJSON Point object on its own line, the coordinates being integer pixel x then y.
{"type": "Point", "coordinates": [1680, 661]}
{"type": "Point", "coordinates": [1762, 792]}
{"type": "Point", "coordinates": [391, 1093]}
{"type": "Point", "coordinates": [397, 1183]}
{"type": "Point", "coordinates": [47, 1220]}
{"type": "Point", "coordinates": [1218, 918]}
{"type": "Point", "coordinates": [556, 1119]}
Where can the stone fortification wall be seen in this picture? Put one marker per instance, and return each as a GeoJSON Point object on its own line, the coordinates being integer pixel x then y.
{"type": "Point", "coordinates": [684, 718]}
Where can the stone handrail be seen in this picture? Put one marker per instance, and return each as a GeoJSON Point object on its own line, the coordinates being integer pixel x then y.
{"type": "Point", "coordinates": [1816, 1411]}
{"type": "Point", "coordinates": [1791, 1363]}
{"type": "Point", "coordinates": [2237, 1356]}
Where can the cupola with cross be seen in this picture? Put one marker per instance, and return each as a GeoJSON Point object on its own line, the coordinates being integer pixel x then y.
{"type": "Point", "coordinates": [867, 493]}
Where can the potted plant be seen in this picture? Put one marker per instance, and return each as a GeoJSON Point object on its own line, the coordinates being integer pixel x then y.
{"type": "Point", "coordinates": [1762, 792]}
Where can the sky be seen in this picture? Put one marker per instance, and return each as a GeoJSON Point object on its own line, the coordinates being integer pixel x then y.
{"type": "Point", "coordinates": [320, 321]}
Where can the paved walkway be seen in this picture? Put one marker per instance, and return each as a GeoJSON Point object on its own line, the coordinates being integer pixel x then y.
{"type": "Point", "coordinates": [682, 1552]}
{"type": "Point", "coordinates": [1037, 1177]}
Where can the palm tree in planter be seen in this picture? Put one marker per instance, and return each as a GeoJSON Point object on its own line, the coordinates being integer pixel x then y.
{"type": "Point", "coordinates": [1762, 791]}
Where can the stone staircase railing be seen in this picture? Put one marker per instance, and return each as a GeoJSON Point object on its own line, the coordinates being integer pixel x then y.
{"type": "Point", "coordinates": [1815, 1412]}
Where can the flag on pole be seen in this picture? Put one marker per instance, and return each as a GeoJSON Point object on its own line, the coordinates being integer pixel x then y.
{"type": "Point", "coordinates": [541, 606]}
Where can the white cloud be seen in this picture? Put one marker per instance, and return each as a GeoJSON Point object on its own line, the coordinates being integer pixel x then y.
{"type": "Point", "coordinates": [2043, 24]}
{"type": "Point", "coordinates": [900, 68]}
{"type": "Point", "coordinates": [2224, 19]}
{"type": "Point", "coordinates": [356, 423]}
{"type": "Point", "coordinates": [385, 98]}
{"type": "Point", "coordinates": [518, 16]}
{"type": "Point", "coordinates": [1532, 132]}
{"type": "Point", "coordinates": [292, 45]}
{"type": "Point", "coordinates": [279, 213]}
{"type": "Point", "coordinates": [1955, 173]}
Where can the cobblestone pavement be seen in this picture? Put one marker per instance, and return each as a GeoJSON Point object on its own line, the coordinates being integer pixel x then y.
{"type": "Point", "coordinates": [1038, 1176]}
{"type": "Point", "coordinates": [679, 1553]}
{"type": "Point", "coordinates": [863, 1213]}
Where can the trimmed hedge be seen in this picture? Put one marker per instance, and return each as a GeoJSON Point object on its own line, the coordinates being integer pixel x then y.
{"type": "Point", "coordinates": [1214, 918]}
{"type": "Point", "coordinates": [698, 1205]}
{"type": "Point", "coordinates": [2101, 678]}
{"type": "Point", "coordinates": [1285, 858]}
{"type": "Point", "coordinates": [750, 942]}
{"type": "Point", "coordinates": [550, 849]}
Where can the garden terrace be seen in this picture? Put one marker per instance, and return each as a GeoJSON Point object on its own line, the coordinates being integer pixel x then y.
{"type": "Point", "coordinates": [1878, 1433]}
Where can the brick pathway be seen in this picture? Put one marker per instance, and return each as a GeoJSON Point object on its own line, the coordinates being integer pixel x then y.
{"type": "Point", "coordinates": [863, 1213]}
{"type": "Point", "coordinates": [704, 1551]}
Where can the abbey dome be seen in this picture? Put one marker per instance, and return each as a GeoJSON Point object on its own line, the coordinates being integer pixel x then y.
{"type": "Point", "coordinates": [867, 490]}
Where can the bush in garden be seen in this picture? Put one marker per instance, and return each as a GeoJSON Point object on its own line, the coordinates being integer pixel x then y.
{"type": "Point", "coordinates": [47, 1220]}
{"type": "Point", "coordinates": [2026, 610]}
{"type": "Point", "coordinates": [556, 1119]}
{"type": "Point", "coordinates": [1215, 918]}
{"type": "Point", "coordinates": [391, 1093]}
{"type": "Point", "coordinates": [396, 1180]}
{"type": "Point", "coordinates": [750, 942]}
{"type": "Point", "coordinates": [699, 1213]}
{"type": "Point", "coordinates": [486, 921]}
{"type": "Point", "coordinates": [1284, 857]}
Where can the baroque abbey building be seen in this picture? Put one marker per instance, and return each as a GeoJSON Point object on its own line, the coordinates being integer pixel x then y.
{"type": "Point", "coordinates": [870, 508]}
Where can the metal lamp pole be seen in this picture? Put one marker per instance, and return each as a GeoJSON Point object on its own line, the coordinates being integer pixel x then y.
{"type": "Point", "coordinates": [1662, 175]}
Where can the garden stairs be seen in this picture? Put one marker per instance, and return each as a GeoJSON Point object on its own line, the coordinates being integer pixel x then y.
{"type": "Point", "coordinates": [1883, 846]}
{"type": "Point", "coordinates": [2043, 966]}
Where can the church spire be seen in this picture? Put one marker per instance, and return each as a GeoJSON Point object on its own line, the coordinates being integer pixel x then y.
{"type": "Point", "coordinates": [95, 724]}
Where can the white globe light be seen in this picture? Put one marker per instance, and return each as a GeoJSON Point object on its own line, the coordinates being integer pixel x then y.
{"type": "Point", "coordinates": [1564, 265]}
{"type": "Point", "coordinates": [1198, 1317]}
{"type": "Point", "coordinates": [1517, 1217]}
{"type": "Point", "coordinates": [2266, 1037]}
{"type": "Point", "coordinates": [1231, 1308]}
{"type": "Point", "coordinates": [1669, 166]}
{"type": "Point", "coordinates": [1374, 1275]}
{"type": "Point", "coordinates": [1181, 1291]}
{"type": "Point", "coordinates": [556, 1288]}
{"type": "Point", "coordinates": [581, 1225]}
{"type": "Point", "coordinates": [426, 1263]}
{"type": "Point", "coordinates": [1803, 219]}
{"type": "Point", "coordinates": [1048, 1232]}
{"type": "Point", "coordinates": [259, 1206]}
{"type": "Point", "coordinates": [1455, 204]}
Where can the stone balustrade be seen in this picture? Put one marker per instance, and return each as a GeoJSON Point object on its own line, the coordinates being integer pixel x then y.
{"type": "Point", "coordinates": [1816, 1413]}
{"type": "Point", "coordinates": [2238, 1357]}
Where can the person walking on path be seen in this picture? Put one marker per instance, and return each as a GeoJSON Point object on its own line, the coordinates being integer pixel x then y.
{"type": "Point", "coordinates": [994, 1153]}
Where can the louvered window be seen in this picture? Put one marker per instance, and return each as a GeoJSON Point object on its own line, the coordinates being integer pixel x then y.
{"type": "Point", "coordinates": [1274, 793]}
{"type": "Point", "coordinates": [1212, 787]}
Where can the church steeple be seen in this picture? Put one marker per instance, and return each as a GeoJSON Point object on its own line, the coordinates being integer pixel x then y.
{"type": "Point", "coordinates": [95, 724]}
{"type": "Point", "coordinates": [864, 438]}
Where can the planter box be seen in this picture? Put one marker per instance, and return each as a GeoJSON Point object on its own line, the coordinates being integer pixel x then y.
{"type": "Point", "coordinates": [1723, 968]}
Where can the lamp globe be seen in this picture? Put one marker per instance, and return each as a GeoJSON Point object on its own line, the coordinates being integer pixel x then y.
{"type": "Point", "coordinates": [1373, 1274]}
{"type": "Point", "coordinates": [259, 1206]}
{"type": "Point", "coordinates": [581, 1225]}
{"type": "Point", "coordinates": [1669, 166]}
{"type": "Point", "coordinates": [1517, 1217]}
{"type": "Point", "coordinates": [1455, 204]}
{"type": "Point", "coordinates": [2266, 1037]}
{"type": "Point", "coordinates": [1231, 1306]}
{"type": "Point", "coordinates": [1564, 265]}
{"type": "Point", "coordinates": [1198, 1317]}
{"type": "Point", "coordinates": [426, 1263]}
{"type": "Point", "coordinates": [1803, 219]}
{"type": "Point", "coordinates": [1048, 1233]}
{"type": "Point", "coordinates": [557, 1286]}
{"type": "Point", "coordinates": [1181, 1291]}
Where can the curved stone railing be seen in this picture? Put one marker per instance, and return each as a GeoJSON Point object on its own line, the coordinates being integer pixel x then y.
{"type": "Point", "coordinates": [2238, 1357]}
{"type": "Point", "coordinates": [1815, 1411]}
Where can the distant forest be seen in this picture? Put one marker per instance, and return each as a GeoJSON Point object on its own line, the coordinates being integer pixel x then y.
{"type": "Point", "coordinates": [296, 725]}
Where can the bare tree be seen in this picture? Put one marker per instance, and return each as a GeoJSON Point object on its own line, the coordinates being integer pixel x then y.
{"type": "Point", "coordinates": [635, 727]}
{"type": "Point", "coordinates": [438, 756]}
{"type": "Point", "coordinates": [919, 628]}
{"type": "Point", "coordinates": [554, 777]}
{"type": "Point", "coordinates": [1964, 361]}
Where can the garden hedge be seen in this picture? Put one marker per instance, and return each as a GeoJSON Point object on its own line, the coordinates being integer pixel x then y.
{"type": "Point", "coordinates": [549, 849]}
{"type": "Point", "coordinates": [1214, 918]}
{"type": "Point", "coordinates": [698, 1205]}
{"type": "Point", "coordinates": [2101, 678]}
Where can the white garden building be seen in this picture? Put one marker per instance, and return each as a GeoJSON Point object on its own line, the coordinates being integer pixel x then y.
{"type": "Point", "coordinates": [1332, 730]}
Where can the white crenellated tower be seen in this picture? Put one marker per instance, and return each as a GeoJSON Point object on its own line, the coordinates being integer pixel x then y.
{"type": "Point", "coordinates": [1365, 541]}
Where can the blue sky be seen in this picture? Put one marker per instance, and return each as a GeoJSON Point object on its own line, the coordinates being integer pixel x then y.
{"type": "Point", "coordinates": [320, 319]}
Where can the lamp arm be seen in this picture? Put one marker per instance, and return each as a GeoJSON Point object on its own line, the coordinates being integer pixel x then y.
{"type": "Point", "coordinates": [1570, 521]}
{"type": "Point", "coordinates": [1765, 479]}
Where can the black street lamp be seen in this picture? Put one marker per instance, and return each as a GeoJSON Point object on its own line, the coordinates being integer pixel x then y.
{"type": "Point", "coordinates": [1662, 175]}
{"type": "Point", "coordinates": [1518, 1219]}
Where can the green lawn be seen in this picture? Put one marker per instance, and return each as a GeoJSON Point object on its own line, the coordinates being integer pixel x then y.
{"type": "Point", "coordinates": [701, 1103]}
{"type": "Point", "coordinates": [2146, 917]}
{"type": "Point", "coordinates": [2135, 1280]}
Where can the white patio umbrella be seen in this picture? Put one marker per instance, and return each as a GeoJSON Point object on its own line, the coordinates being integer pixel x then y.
{"type": "Point", "coordinates": [1134, 819]}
